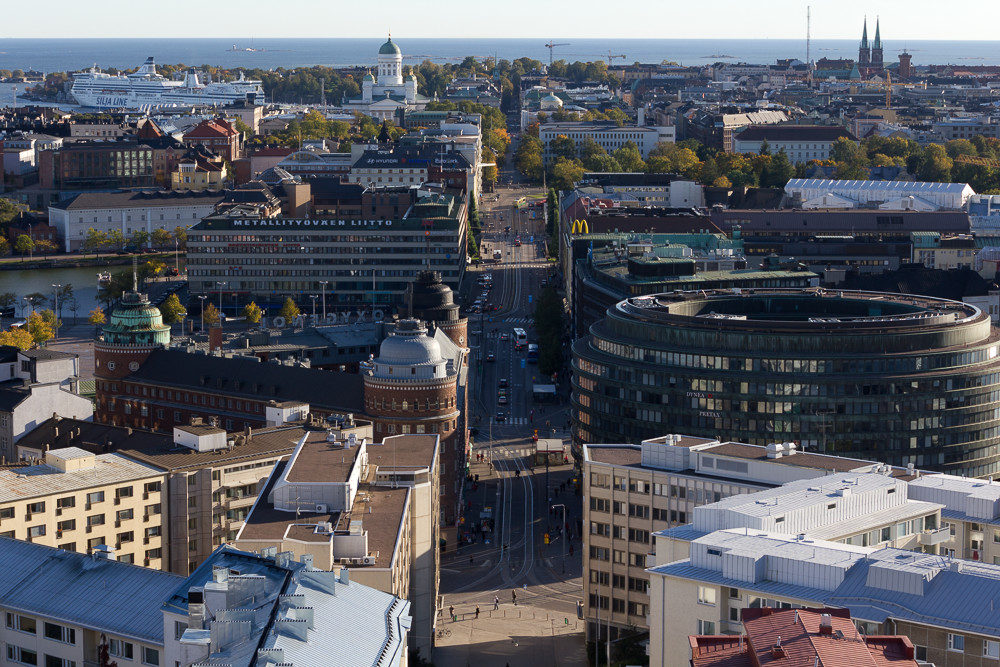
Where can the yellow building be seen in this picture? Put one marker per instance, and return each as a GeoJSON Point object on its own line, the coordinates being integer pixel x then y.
{"type": "Point", "coordinates": [198, 174]}
{"type": "Point", "coordinates": [84, 502]}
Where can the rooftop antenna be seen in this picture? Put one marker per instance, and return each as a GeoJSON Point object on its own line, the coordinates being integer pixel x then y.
{"type": "Point", "coordinates": [135, 275]}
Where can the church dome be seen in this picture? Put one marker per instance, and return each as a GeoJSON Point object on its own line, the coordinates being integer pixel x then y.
{"type": "Point", "coordinates": [369, 77]}
{"type": "Point", "coordinates": [410, 346]}
{"type": "Point", "coordinates": [550, 101]}
{"type": "Point", "coordinates": [389, 49]}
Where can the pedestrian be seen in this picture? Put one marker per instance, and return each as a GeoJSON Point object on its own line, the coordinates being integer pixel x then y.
{"type": "Point", "coordinates": [496, 602]}
{"type": "Point", "coordinates": [451, 612]}
{"type": "Point", "coordinates": [472, 561]}
{"type": "Point", "coordinates": [477, 611]}
{"type": "Point", "coordinates": [513, 596]}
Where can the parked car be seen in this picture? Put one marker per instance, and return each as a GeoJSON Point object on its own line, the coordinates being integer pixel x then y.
{"type": "Point", "coordinates": [491, 357]}
{"type": "Point", "coordinates": [503, 382]}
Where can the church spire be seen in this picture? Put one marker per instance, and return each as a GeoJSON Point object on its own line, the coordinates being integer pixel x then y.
{"type": "Point", "coordinates": [864, 51]}
{"type": "Point", "coordinates": [878, 40]}
{"type": "Point", "coordinates": [864, 35]}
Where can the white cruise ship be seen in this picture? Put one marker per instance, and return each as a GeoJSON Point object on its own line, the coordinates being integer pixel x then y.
{"type": "Point", "coordinates": [145, 89]}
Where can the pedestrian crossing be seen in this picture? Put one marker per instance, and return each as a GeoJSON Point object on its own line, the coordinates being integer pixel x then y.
{"type": "Point", "coordinates": [519, 320]}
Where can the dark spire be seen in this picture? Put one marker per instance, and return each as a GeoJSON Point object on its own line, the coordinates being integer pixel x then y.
{"type": "Point", "coordinates": [878, 40]}
{"type": "Point", "coordinates": [864, 51]}
{"type": "Point", "coordinates": [864, 35]}
{"type": "Point", "coordinates": [383, 136]}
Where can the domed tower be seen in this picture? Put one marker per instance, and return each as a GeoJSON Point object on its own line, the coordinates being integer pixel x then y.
{"type": "Point", "coordinates": [433, 302]}
{"type": "Point", "coordinates": [367, 84]}
{"type": "Point", "coordinates": [135, 329]}
{"type": "Point", "coordinates": [390, 64]}
{"type": "Point", "coordinates": [411, 388]}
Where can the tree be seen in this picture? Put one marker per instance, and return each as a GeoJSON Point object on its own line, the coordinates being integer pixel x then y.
{"type": "Point", "coordinates": [778, 171]}
{"type": "Point", "coordinates": [161, 237]}
{"type": "Point", "coordinates": [65, 296]}
{"type": "Point", "coordinates": [552, 205]}
{"type": "Point", "coordinates": [50, 319]}
{"type": "Point", "coordinates": [528, 157]}
{"type": "Point", "coordinates": [180, 233]}
{"type": "Point", "coordinates": [630, 159]}
{"type": "Point", "coordinates": [24, 245]}
{"type": "Point", "coordinates": [37, 299]}
{"type": "Point", "coordinates": [97, 317]}
{"type": "Point", "coordinates": [46, 247]}
{"type": "Point", "coordinates": [562, 146]}
{"type": "Point", "coordinates": [94, 241]}
{"type": "Point", "coordinates": [474, 223]}
{"type": "Point", "coordinates": [140, 238]}
{"type": "Point", "coordinates": [39, 328]}
{"type": "Point", "coordinates": [252, 313]}
{"type": "Point", "coordinates": [935, 165]}
{"type": "Point", "coordinates": [104, 654]}
{"type": "Point", "coordinates": [18, 337]}
{"type": "Point", "coordinates": [7, 300]}
{"type": "Point", "coordinates": [115, 239]}
{"type": "Point", "coordinates": [565, 173]}
{"type": "Point", "coordinates": [172, 310]}
{"type": "Point", "coordinates": [4, 247]}
{"type": "Point", "coordinates": [210, 315]}
{"type": "Point", "coordinates": [289, 310]}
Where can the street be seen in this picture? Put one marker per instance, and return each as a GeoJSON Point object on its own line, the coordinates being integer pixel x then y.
{"type": "Point", "coordinates": [526, 590]}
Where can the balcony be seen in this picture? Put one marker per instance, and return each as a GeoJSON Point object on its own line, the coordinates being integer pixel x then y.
{"type": "Point", "coordinates": [932, 537]}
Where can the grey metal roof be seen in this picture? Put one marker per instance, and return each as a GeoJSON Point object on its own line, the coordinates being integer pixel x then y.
{"type": "Point", "coordinates": [23, 482]}
{"type": "Point", "coordinates": [901, 186]}
{"type": "Point", "coordinates": [99, 594]}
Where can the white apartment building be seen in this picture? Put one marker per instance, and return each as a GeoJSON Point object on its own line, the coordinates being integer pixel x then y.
{"type": "Point", "coordinates": [633, 491]}
{"type": "Point", "coordinates": [946, 607]}
{"type": "Point", "coordinates": [607, 135]}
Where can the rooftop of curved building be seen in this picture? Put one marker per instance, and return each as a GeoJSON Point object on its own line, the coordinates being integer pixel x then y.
{"type": "Point", "coordinates": [806, 310]}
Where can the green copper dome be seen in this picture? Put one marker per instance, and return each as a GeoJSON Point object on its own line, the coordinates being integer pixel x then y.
{"type": "Point", "coordinates": [136, 322]}
{"type": "Point", "coordinates": [389, 49]}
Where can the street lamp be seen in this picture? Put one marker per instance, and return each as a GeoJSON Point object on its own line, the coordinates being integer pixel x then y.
{"type": "Point", "coordinates": [565, 534]}
{"type": "Point", "coordinates": [31, 303]}
{"type": "Point", "coordinates": [221, 284]}
{"type": "Point", "coordinates": [314, 297]}
{"type": "Point", "coordinates": [323, 284]}
{"type": "Point", "coordinates": [55, 308]}
{"type": "Point", "coordinates": [202, 298]}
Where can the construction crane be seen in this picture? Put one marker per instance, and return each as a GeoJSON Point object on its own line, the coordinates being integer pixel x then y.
{"type": "Point", "coordinates": [978, 161]}
{"type": "Point", "coordinates": [612, 56]}
{"type": "Point", "coordinates": [552, 45]}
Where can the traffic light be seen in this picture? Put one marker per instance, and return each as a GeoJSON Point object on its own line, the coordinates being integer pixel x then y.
{"type": "Point", "coordinates": [546, 538]}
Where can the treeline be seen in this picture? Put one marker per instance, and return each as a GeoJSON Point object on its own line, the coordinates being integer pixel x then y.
{"type": "Point", "coordinates": [975, 161]}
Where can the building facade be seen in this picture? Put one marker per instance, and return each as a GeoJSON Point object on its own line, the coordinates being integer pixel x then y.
{"type": "Point", "coordinates": [868, 375]}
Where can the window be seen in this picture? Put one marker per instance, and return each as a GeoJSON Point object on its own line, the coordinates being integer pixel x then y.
{"type": "Point", "coordinates": [60, 633]}
{"type": "Point", "coordinates": [21, 623]}
{"type": "Point", "coordinates": [956, 642]}
{"type": "Point", "coordinates": [153, 487]}
{"type": "Point", "coordinates": [706, 595]}
{"type": "Point", "coordinates": [991, 649]}
{"type": "Point", "coordinates": [150, 656]}
{"type": "Point", "coordinates": [95, 497]}
{"type": "Point", "coordinates": [68, 501]}
{"type": "Point", "coordinates": [119, 649]}
{"type": "Point", "coordinates": [53, 661]}
{"type": "Point", "coordinates": [7, 513]}
{"type": "Point", "coordinates": [36, 531]}
{"type": "Point", "coordinates": [734, 614]}
{"type": "Point", "coordinates": [154, 531]}
{"type": "Point", "coordinates": [36, 508]}
{"type": "Point", "coordinates": [706, 627]}
{"type": "Point", "coordinates": [125, 537]}
{"type": "Point", "coordinates": [636, 609]}
{"type": "Point", "coordinates": [637, 560]}
{"type": "Point", "coordinates": [734, 594]}
{"type": "Point", "coordinates": [95, 520]}
{"type": "Point", "coordinates": [154, 553]}
{"type": "Point", "coordinates": [21, 655]}
{"type": "Point", "coordinates": [123, 492]}
{"type": "Point", "coordinates": [152, 509]}
{"type": "Point", "coordinates": [617, 605]}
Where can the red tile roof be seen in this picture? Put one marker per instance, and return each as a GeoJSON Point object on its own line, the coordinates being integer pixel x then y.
{"type": "Point", "coordinates": [207, 129]}
{"type": "Point", "coordinates": [793, 638]}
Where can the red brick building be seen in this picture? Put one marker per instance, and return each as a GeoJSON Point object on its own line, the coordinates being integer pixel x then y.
{"type": "Point", "coordinates": [218, 136]}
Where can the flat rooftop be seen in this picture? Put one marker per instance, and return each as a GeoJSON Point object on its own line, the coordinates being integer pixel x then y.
{"type": "Point", "coordinates": [31, 481]}
{"type": "Point", "coordinates": [320, 460]}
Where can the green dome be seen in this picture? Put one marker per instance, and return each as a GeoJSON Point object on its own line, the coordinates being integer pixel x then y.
{"type": "Point", "coordinates": [368, 77]}
{"type": "Point", "coordinates": [136, 322]}
{"type": "Point", "coordinates": [389, 49]}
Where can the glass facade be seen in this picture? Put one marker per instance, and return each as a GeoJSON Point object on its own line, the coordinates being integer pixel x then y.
{"type": "Point", "coordinates": [917, 382]}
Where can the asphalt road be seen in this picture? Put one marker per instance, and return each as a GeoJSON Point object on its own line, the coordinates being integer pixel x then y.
{"type": "Point", "coordinates": [525, 500]}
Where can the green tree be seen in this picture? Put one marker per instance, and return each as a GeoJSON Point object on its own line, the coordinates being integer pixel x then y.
{"type": "Point", "coordinates": [765, 147]}
{"type": "Point", "coordinates": [210, 316]}
{"type": "Point", "coordinates": [46, 247]}
{"type": "Point", "coordinates": [778, 172]}
{"type": "Point", "coordinates": [474, 222]}
{"type": "Point", "coordinates": [24, 245]}
{"type": "Point", "coordinates": [140, 238]}
{"type": "Point", "coordinates": [528, 157]}
{"type": "Point", "coordinates": [629, 157]}
{"type": "Point", "coordinates": [39, 328]}
{"type": "Point", "coordinates": [252, 313]}
{"type": "Point", "coordinates": [565, 173]}
{"type": "Point", "coordinates": [115, 239]}
{"type": "Point", "coordinates": [289, 310]}
{"type": "Point", "coordinates": [65, 296]}
{"type": "Point", "coordinates": [562, 147]}
{"type": "Point", "coordinates": [161, 237]}
{"type": "Point", "coordinates": [552, 206]}
{"type": "Point", "coordinates": [181, 234]}
{"type": "Point", "coordinates": [51, 319]}
{"type": "Point", "coordinates": [4, 247]}
{"type": "Point", "coordinates": [935, 165]}
{"type": "Point", "coordinates": [471, 246]}
{"type": "Point", "coordinates": [172, 310]}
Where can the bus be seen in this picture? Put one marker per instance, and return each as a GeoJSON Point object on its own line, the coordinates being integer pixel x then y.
{"type": "Point", "coordinates": [520, 339]}
{"type": "Point", "coordinates": [532, 354]}
{"type": "Point", "coordinates": [497, 256]}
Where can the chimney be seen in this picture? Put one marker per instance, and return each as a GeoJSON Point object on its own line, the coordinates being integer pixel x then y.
{"type": "Point", "coordinates": [196, 609]}
{"type": "Point", "coordinates": [776, 650]}
{"type": "Point", "coordinates": [826, 624]}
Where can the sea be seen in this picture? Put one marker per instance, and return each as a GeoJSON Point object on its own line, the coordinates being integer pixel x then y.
{"type": "Point", "coordinates": [70, 55]}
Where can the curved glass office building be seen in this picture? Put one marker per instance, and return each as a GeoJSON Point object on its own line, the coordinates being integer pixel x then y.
{"type": "Point", "coordinates": [887, 377]}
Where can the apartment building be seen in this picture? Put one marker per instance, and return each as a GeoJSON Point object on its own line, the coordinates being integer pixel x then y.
{"type": "Point", "coordinates": [345, 502]}
{"type": "Point", "coordinates": [212, 478]}
{"type": "Point", "coordinates": [79, 501]}
{"type": "Point", "coordinates": [636, 490]}
{"type": "Point", "coordinates": [945, 607]}
{"type": "Point", "coordinates": [60, 606]}
{"type": "Point", "coordinates": [971, 515]}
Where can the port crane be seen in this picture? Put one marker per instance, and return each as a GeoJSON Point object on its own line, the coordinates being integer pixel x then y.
{"type": "Point", "coordinates": [551, 46]}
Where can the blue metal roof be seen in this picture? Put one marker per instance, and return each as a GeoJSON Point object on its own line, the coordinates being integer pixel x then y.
{"type": "Point", "coordinates": [105, 595]}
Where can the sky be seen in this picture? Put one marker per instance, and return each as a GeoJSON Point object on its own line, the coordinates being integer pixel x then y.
{"type": "Point", "coordinates": [559, 19]}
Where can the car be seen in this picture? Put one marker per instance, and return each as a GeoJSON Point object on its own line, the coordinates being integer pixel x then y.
{"type": "Point", "coordinates": [147, 251]}
{"type": "Point", "coordinates": [491, 357]}
{"type": "Point", "coordinates": [501, 417]}
{"type": "Point", "coordinates": [501, 400]}
{"type": "Point", "coordinates": [505, 336]}
{"type": "Point", "coordinates": [503, 382]}
{"type": "Point", "coordinates": [496, 307]}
